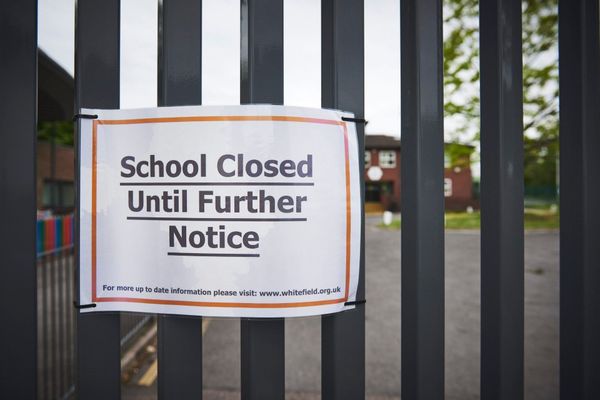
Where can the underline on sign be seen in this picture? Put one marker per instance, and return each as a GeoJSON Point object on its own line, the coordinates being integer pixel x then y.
{"type": "Point", "coordinates": [213, 254]}
{"type": "Point", "coordinates": [217, 184]}
{"type": "Point", "coordinates": [217, 219]}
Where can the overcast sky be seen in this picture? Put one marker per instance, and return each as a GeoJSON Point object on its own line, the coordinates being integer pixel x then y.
{"type": "Point", "coordinates": [220, 61]}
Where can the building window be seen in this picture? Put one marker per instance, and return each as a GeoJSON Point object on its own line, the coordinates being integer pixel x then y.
{"type": "Point", "coordinates": [367, 158]}
{"type": "Point", "coordinates": [447, 187]}
{"type": "Point", "coordinates": [58, 195]}
{"type": "Point", "coordinates": [387, 159]}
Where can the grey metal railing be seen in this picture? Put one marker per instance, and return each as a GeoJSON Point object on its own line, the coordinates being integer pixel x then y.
{"type": "Point", "coordinates": [97, 85]}
{"type": "Point", "coordinates": [179, 83]}
{"type": "Point", "coordinates": [56, 324]}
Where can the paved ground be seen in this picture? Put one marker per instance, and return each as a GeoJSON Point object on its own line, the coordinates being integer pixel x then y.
{"type": "Point", "coordinates": [222, 348]}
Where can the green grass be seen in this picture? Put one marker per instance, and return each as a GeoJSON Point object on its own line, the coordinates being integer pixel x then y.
{"type": "Point", "coordinates": [535, 218]}
{"type": "Point", "coordinates": [541, 219]}
{"type": "Point", "coordinates": [462, 220]}
{"type": "Point", "coordinates": [394, 226]}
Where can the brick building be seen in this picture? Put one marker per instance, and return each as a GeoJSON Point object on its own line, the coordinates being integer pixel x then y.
{"type": "Point", "coordinates": [60, 177]}
{"type": "Point", "coordinates": [382, 174]}
{"type": "Point", "coordinates": [55, 162]}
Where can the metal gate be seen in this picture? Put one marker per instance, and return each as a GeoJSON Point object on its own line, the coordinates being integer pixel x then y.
{"type": "Point", "coordinates": [343, 335]}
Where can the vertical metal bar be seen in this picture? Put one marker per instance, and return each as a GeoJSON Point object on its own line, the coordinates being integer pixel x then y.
{"type": "Point", "coordinates": [261, 72]}
{"type": "Point", "coordinates": [74, 286]}
{"type": "Point", "coordinates": [53, 184]}
{"type": "Point", "coordinates": [179, 83]}
{"type": "Point", "coordinates": [61, 322]}
{"type": "Point", "coordinates": [53, 323]}
{"type": "Point", "coordinates": [342, 87]}
{"type": "Point", "coordinates": [262, 359]}
{"type": "Point", "coordinates": [40, 335]}
{"type": "Point", "coordinates": [18, 111]}
{"type": "Point", "coordinates": [179, 52]}
{"type": "Point", "coordinates": [579, 49]}
{"type": "Point", "coordinates": [502, 257]}
{"type": "Point", "coordinates": [70, 354]}
{"type": "Point", "coordinates": [262, 341]}
{"type": "Point", "coordinates": [45, 337]}
{"type": "Point", "coordinates": [97, 36]}
{"type": "Point", "coordinates": [422, 171]}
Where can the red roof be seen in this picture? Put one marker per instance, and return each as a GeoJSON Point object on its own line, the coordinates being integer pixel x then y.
{"type": "Point", "coordinates": [381, 142]}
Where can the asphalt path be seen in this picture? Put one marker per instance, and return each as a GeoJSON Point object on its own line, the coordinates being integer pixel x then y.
{"type": "Point", "coordinates": [221, 362]}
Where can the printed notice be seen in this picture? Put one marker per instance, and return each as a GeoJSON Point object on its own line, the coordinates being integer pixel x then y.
{"type": "Point", "coordinates": [239, 211]}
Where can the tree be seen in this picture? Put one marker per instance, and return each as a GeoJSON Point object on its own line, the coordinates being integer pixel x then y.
{"type": "Point", "coordinates": [540, 82]}
{"type": "Point", "coordinates": [59, 131]}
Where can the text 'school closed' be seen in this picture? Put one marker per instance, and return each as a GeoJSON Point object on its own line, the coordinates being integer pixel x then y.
{"type": "Point", "coordinates": [228, 165]}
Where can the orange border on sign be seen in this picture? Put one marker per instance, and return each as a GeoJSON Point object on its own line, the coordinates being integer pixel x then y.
{"type": "Point", "coordinates": [97, 122]}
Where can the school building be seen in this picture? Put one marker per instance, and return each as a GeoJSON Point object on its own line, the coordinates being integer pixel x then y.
{"type": "Point", "coordinates": [55, 161]}
{"type": "Point", "coordinates": [382, 175]}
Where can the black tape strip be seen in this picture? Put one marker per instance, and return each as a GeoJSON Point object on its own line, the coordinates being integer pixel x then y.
{"type": "Point", "coordinates": [355, 303]}
{"type": "Point", "coordinates": [356, 120]}
{"type": "Point", "coordinates": [84, 116]}
{"type": "Point", "coordinates": [81, 306]}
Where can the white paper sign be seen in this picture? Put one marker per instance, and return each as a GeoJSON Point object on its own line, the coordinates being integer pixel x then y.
{"type": "Point", "coordinates": [241, 211]}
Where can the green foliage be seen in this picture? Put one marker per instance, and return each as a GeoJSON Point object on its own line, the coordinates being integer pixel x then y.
{"type": "Point", "coordinates": [540, 160]}
{"type": "Point", "coordinates": [540, 81]}
{"type": "Point", "coordinates": [459, 155]}
{"type": "Point", "coordinates": [62, 131]}
{"type": "Point", "coordinates": [540, 71]}
{"type": "Point", "coordinates": [461, 69]}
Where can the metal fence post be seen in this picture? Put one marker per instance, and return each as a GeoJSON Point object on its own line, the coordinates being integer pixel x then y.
{"type": "Point", "coordinates": [262, 341]}
{"type": "Point", "coordinates": [180, 83]}
{"type": "Point", "coordinates": [342, 87]}
{"type": "Point", "coordinates": [579, 49]}
{"type": "Point", "coordinates": [18, 126]}
{"type": "Point", "coordinates": [502, 257]}
{"type": "Point", "coordinates": [97, 37]}
{"type": "Point", "coordinates": [422, 170]}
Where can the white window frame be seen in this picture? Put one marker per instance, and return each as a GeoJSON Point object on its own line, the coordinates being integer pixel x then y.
{"type": "Point", "coordinates": [392, 163]}
{"type": "Point", "coordinates": [447, 187]}
{"type": "Point", "coordinates": [368, 158]}
{"type": "Point", "coordinates": [447, 161]}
